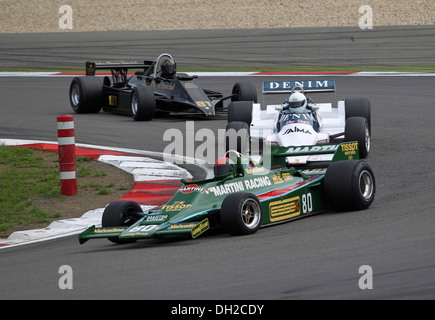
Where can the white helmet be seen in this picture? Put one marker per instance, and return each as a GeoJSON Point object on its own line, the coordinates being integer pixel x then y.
{"type": "Point", "coordinates": [297, 100]}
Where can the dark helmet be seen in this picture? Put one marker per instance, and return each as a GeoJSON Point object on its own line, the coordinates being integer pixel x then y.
{"type": "Point", "coordinates": [223, 166]}
{"type": "Point", "coordinates": [169, 68]}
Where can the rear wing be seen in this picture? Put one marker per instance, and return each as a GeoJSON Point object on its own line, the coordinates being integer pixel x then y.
{"type": "Point", "coordinates": [92, 67]}
{"type": "Point", "coordinates": [307, 85]}
{"type": "Point", "coordinates": [306, 155]}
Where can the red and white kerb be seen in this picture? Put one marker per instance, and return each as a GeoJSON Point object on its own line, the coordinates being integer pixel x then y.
{"type": "Point", "coordinates": [67, 155]}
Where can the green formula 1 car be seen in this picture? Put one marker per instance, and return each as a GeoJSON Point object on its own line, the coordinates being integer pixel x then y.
{"type": "Point", "coordinates": [244, 196]}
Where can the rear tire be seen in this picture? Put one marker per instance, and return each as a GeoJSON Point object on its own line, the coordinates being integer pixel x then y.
{"type": "Point", "coordinates": [120, 214]}
{"type": "Point", "coordinates": [349, 185]}
{"type": "Point", "coordinates": [357, 129]}
{"type": "Point", "coordinates": [359, 107]}
{"type": "Point", "coordinates": [143, 104]}
{"type": "Point", "coordinates": [237, 133]}
{"type": "Point", "coordinates": [241, 214]}
{"type": "Point", "coordinates": [244, 91]}
{"type": "Point", "coordinates": [86, 94]}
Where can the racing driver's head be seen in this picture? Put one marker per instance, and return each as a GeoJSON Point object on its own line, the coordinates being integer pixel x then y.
{"type": "Point", "coordinates": [223, 166]}
{"type": "Point", "coordinates": [169, 69]}
{"type": "Point", "coordinates": [297, 102]}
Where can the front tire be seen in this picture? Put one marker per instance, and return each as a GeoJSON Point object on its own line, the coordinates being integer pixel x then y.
{"type": "Point", "coordinates": [241, 214]}
{"type": "Point", "coordinates": [349, 185]}
{"type": "Point", "coordinates": [142, 103]}
{"type": "Point", "coordinates": [358, 129]}
{"type": "Point", "coordinates": [121, 214]}
{"type": "Point", "coordinates": [359, 107]}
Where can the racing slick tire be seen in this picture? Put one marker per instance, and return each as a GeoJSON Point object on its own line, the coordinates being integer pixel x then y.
{"type": "Point", "coordinates": [244, 91]}
{"type": "Point", "coordinates": [142, 103]}
{"type": "Point", "coordinates": [237, 135]}
{"type": "Point", "coordinates": [357, 129]}
{"type": "Point", "coordinates": [349, 185]}
{"type": "Point", "coordinates": [358, 107]}
{"type": "Point", "coordinates": [121, 214]}
{"type": "Point", "coordinates": [240, 111]}
{"type": "Point", "coordinates": [241, 214]}
{"type": "Point", "coordinates": [86, 94]}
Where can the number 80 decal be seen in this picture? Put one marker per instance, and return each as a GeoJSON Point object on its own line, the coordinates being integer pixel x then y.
{"type": "Point", "coordinates": [307, 203]}
{"type": "Point", "coordinates": [145, 228]}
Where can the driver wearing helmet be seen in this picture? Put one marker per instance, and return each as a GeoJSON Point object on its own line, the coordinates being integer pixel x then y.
{"type": "Point", "coordinates": [227, 163]}
{"type": "Point", "coordinates": [298, 103]}
{"type": "Point", "coordinates": [168, 68]}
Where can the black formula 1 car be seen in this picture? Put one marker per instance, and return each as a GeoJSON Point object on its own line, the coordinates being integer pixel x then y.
{"type": "Point", "coordinates": [154, 86]}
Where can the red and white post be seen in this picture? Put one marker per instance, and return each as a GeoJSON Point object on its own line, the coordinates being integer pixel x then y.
{"type": "Point", "coordinates": [67, 155]}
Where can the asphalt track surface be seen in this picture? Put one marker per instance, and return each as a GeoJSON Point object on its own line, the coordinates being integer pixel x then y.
{"type": "Point", "coordinates": [337, 46]}
{"type": "Point", "coordinates": [314, 258]}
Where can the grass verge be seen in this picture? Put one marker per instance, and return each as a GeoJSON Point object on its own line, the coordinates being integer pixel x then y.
{"type": "Point", "coordinates": [30, 195]}
{"type": "Point", "coordinates": [22, 178]}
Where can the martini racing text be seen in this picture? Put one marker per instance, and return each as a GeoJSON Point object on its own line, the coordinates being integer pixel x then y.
{"type": "Point", "coordinates": [240, 186]}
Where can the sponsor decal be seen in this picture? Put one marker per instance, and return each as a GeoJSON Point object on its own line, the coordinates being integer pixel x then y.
{"type": "Point", "coordinates": [142, 230]}
{"type": "Point", "coordinates": [113, 101]}
{"type": "Point", "coordinates": [183, 225]}
{"type": "Point", "coordinates": [299, 123]}
{"type": "Point", "coordinates": [254, 170]}
{"type": "Point", "coordinates": [277, 179]}
{"type": "Point", "coordinates": [287, 176]}
{"type": "Point", "coordinates": [176, 206]}
{"type": "Point", "coordinates": [200, 228]}
{"type": "Point", "coordinates": [108, 230]}
{"type": "Point", "coordinates": [102, 63]}
{"type": "Point", "coordinates": [240, 186]}
{"type": "Point", "coordinates": [296, 129]}
{"type": "Point", "coordinates": [227, 188]}
{"type": "Point", "coordinates": [166, 86]}
{"type": "Point", "coordinates": [297, 117]}
{"type": "Point", "coordinates": [314, 171]}
{"type": "Point", "coordinates": [310, 149]}
{"type": "Point", "coordinates": [157, 218]}
{"type": "Point", "coordinates": [190, 85]}
{"type": "Point", "coordinates": [192, 188]}
{"type": "Point", "coordinates": [307, 85]}
{"type": "Point", "coordinates": [205, 104]}
{"type": "Point", "coordinates": [349, 149]}
{"type": "Point", "coordinates": [284, 209]}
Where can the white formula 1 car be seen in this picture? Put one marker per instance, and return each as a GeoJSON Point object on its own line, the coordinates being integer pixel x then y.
{"type": "Point", "coordinates": [299, 122]}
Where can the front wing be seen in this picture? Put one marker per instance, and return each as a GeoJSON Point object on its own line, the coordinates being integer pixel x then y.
{"type": "Point", "coordinates": [148, 231]}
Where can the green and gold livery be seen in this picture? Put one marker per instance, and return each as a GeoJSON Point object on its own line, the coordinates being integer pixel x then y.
{"type": "Point", "coordinates": [252, 195]}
